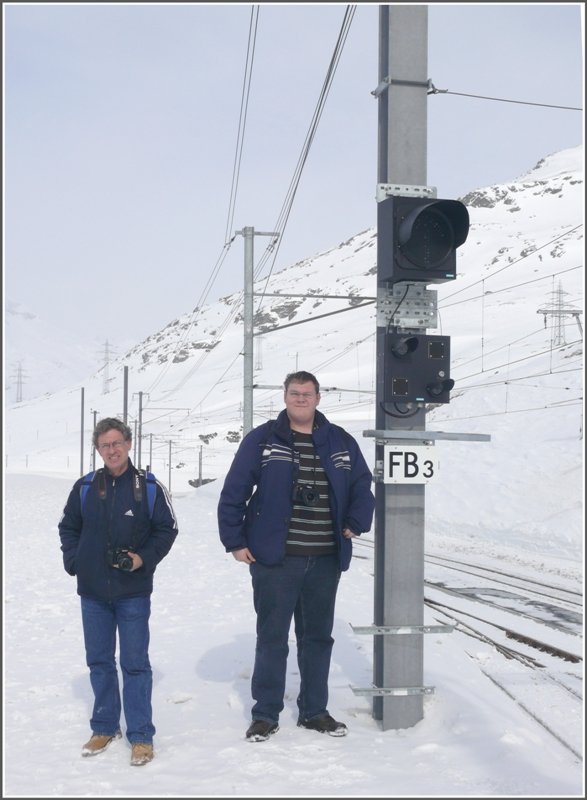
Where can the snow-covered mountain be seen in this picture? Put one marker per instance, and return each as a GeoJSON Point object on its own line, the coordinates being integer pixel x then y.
{"type": "Point", "coordinates": [41, 358]}
{"type": "Point", "coordinates": [514, 315]}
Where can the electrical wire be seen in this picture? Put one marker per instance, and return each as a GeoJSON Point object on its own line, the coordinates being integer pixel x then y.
{"type": "Point", "coordinates": [318, 316]}
{"type": "Point", "coordinates": [246, 90]}
{"type": "Point", "coordinates": [290, 195]}
{"type": "Point", "coordinates": [245, 94]}
{"type": "Point", "coordinates": [400, 414]}
{"type": "Point", "coordinates": [516, 261]}
{"type": "Point", "coordinates": [284, 214]}
{"type": "Point", "coordinates": [510, 411]}
{"type": "Point", "coordinates": [292, 190]}
{"type": "Point", "coordinates": [434, 90]}
{"type": "Point", "coordinates": [511, 286]}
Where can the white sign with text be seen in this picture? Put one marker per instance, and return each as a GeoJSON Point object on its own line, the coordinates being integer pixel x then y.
{"type": "Point", "coordinates": [405, 464]}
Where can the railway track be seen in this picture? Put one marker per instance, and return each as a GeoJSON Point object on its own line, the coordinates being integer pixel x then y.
{"type": "Point", "coordinates": [551, 695]}
{"type": "Point", "coordinates": [527, 620]}
{"type": "Point", "coordinates": [539, 588]}
{"type": "Point", "coordinates": [530, 621]}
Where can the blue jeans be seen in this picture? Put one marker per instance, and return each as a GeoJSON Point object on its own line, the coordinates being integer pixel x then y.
{"type": "Point", "coordinates": [100, 620]}
{"type": "Point", "coordinates": [303, 588]}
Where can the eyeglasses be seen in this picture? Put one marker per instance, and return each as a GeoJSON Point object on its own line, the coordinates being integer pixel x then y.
{"type": "Point", "coordinates": [305, 395]}
{"type": "Point", "coordinates": [117, 445]}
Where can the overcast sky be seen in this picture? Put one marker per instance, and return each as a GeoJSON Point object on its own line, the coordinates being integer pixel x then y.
{"type": "Point", "coordinates": [121, 127]}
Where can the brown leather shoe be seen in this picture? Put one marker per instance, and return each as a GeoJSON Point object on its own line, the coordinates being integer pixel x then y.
{"type": "Point", "coordinates": [98, 743]}
{"type": "Point", "coordinates": [141, 754]}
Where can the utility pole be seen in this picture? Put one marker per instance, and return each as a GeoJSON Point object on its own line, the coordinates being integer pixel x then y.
{"type": "Point", "coordinates": [105, 378]}
{"type": "Point", "coordinates": [125, 397]}
{"type": "Point", "coordinates": [95, 413]}
{"type": "Point", "coordinates": [417, 236]}
{"type": "Point", "coordinates": [19, 382]}
{"type": "Point", "coordinates": [140, 431]}
{"type": "Point", "coordinates": [399, 521]}
{"type": "Point", "coordinates": [558, 309]}
{"type": "Point", "coordinates": [81, 427]}
{"type": "Point", "coordinates": [140, 426]}
{"type": "Point", "coordinates": [259, 353]}
{"type": "Point", "coordinates": [249, 234]}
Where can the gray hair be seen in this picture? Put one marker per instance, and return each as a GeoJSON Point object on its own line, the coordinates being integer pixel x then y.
{"type": "Point", "coordinates": [111, 424]}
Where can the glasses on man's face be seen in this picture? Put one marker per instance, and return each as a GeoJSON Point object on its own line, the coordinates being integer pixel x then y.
{"type": "Point", "coordinates": [303, 395]}
{"type": "Point", "coordinates": [117, 445]}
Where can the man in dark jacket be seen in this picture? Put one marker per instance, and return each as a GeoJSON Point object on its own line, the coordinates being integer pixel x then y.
{"type": "Point", "coordinates": [296, 494]}
{"type": "Point", "coordinates": [112, 542]}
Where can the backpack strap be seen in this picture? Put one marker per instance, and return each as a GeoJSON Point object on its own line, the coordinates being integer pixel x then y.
{"type": "Point", "coordinates": [151, 482]}
{"type": "Point", "coordinates": [83, 489]}
{"type": "Point", "coordinates": [140, 477]}
{"type": "Point", "coordinates": [87, 482]}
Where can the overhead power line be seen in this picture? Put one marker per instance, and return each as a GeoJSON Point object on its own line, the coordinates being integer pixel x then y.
{"type": "Point", "coordinates": [292, 190]}
{"type": "Point", "coordinates": [510, 286]}
{"type": "Point", "coordinates": [433, 90]}
{"type": "Point", "coordinates": [512, 263]}
{"type": "Point", "coordinates": [246, 88]}
{"type": "Point", "coordinates": [294, 184]}
{"type": "Point", "coordinates": [312, 319]}
{"type": "Point", "coordinates": [290, 195]}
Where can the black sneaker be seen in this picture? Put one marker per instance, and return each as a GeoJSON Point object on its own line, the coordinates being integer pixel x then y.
{"type": "Point", "coordinates": [324, 723]}
{"type": "Point", "coordinates": [260, 730]}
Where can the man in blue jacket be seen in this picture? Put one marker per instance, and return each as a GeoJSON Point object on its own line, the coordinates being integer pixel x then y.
{"type": "Point", "coordinates": [296, 494]}
{"type": "Point", "coordinates": [112, 542]}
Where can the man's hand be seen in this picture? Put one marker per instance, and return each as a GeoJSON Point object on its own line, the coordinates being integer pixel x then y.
{"type": "Point", "coordinates": [137, 562]}
{"type": "Point", "coordinates": [244, 555]}
{"type": "Point", "coordinates": [348, 534]}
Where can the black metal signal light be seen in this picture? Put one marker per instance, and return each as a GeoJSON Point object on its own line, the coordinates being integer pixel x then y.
{"type": "Point", "coordinates": [417, 238]}
{"type": "Point", "coordinates": [417, 369]}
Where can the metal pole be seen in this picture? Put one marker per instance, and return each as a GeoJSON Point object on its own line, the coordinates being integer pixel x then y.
{"type": "Point", "coordinates": [200, 467]}
{"type": "Point", "coordinates": [140, 429]}
{"type": "Point", "coordinates": [125, 397]}
{"type": "Point", "coordinates": [95, 413]}
{"type": "Point", "coordinates": [151, 451]}
{"type": "Point", "coordinates": [399, 508]}
{"type": "Point", "coordinates": [249, 234]}
{"type": "Point", "coordinates": [169, 480]}
{"type": "Point", "coordinates": [81, 463]}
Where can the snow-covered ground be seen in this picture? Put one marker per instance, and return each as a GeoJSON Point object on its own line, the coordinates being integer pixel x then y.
{"type": "Point", "coordinates": [473, 741]}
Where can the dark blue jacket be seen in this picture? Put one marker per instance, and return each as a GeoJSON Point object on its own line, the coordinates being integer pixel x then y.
{"type": "Point", "coordinates": [255, 504]}
{"type": "Point", "coordinates": [117, 521]}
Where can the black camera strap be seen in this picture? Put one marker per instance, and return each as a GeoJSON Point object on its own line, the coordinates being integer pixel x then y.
{"type": "Point", "coordinates": [101, 475]}
{"type": "Point", "coordinates": [138, 484]}
{"type": "Point", "coordinates": [138, 480]}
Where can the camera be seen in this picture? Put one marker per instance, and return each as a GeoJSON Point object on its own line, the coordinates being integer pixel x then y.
{"type": "Point", "coordinates": [305, 495]}
{"type": "Point", "coordinates": [121, 559]}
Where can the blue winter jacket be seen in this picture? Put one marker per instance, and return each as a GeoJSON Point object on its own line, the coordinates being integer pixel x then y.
{"type": "Point", "coordinates": [255, 504]}
{"type": "Point", "coordinates": [118, 520]}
